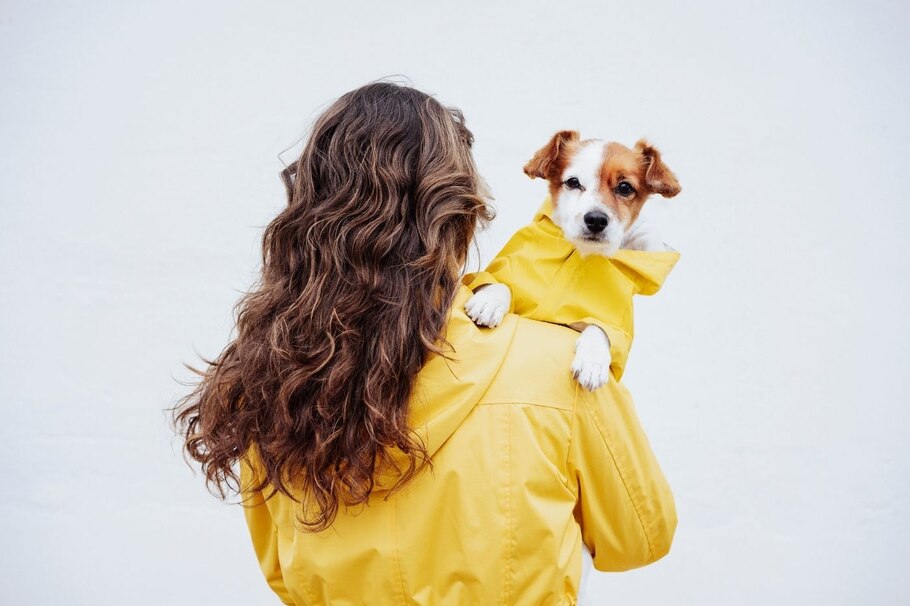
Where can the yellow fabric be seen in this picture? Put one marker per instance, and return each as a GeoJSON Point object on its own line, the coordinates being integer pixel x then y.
{"type": "Point", "coordinates": [551, 281]}
{"type": "Point", "coordinates": [527, 466]}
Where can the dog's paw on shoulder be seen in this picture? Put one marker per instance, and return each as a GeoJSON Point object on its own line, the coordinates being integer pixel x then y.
{"type": "Point", "coordinates": [591, 364]}
{"type": "Point", "coordinates": [489, 305]}
{"type": "Point", "coordinates": [590, 374]}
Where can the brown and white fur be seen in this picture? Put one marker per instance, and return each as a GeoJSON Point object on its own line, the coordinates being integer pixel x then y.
{"type": "Point", "coordinates": [598, 189]}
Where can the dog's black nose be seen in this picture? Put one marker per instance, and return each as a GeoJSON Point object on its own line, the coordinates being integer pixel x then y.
{"type": "Point", "coordinates": [596, 221]}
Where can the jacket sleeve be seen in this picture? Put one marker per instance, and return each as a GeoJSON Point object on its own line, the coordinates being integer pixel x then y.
{"type": "Point", "coordinates": [624, 505]}
{"type": "Point", "coordinates": [263, 533]}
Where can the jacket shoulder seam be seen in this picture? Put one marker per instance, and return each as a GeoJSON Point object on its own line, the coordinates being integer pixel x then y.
{"type": "Point", "coordinates": [527, 402]}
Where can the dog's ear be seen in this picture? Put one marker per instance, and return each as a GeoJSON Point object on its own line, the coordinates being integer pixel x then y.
{"type": "Point", "coordinates": [659, 178]}
{"type": "Point", "coordinates": [544, 161]}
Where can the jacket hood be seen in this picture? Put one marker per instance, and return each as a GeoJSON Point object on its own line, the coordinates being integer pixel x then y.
{"type": "Point", "coordinates": [446, 391]}
{"type": "Point", "coordinates": [647, 269]}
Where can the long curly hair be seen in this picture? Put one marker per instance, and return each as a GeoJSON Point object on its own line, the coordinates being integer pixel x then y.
{"type": "Point", "coordinates": [359, 272]}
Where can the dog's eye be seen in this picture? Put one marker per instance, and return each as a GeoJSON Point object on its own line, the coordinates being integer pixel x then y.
{"type": "Point", "coordinates": [624, 189]}
{"type": "Point", "coordinates": [572, 183]}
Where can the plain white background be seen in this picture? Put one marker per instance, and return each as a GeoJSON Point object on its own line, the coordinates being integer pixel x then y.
{"type": "Point", "coordinates": [139, 164]}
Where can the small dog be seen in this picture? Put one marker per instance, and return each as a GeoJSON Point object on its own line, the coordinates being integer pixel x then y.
{"type": "Point", "coordinates": [597, 190]}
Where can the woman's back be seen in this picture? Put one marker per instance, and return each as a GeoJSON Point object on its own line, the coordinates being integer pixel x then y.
{"type": "Point", "coordinates": [392, 452]}
{"type": "Point", "coordinates": [524, 465]}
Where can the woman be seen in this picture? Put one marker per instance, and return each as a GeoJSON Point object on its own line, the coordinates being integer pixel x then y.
{"type": "Point", "coordinates": [390, 451]}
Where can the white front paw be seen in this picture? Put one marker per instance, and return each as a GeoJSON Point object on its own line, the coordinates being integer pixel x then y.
{"type": "Point", "coordinates": [488, 306]}
{"type": "Point", "coordinates": [591, 366]}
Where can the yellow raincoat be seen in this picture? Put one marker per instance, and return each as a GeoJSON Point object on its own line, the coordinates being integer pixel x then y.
{"type": "Point", "coordinates": [527, 466]}
{"type": "Point", "coordinates": [553, 282]}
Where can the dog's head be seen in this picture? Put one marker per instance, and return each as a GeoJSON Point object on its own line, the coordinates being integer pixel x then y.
{"type": "Point", "coordinates": [598, 188]}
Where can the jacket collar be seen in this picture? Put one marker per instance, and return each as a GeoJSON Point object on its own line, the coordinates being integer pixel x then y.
{"type": "Point", "coordinates": [648, 269]}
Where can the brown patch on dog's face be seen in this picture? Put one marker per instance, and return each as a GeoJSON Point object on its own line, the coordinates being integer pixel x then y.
{"type": "Point", "coordinates": [629, 176]}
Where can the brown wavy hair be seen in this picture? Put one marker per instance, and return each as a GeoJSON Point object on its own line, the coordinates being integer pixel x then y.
{"type": "Point", "coordinates": [359, 272]}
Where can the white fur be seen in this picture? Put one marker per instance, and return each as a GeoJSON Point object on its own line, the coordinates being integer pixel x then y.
{"type": "Point", "coordinates": [591, 366]}
{"type": "Point", "coordinates": [642, 236]}
{"type": "Point", "coordinates": [488, 306]}
{"type": "Point", "coordinates": [575, 203]}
